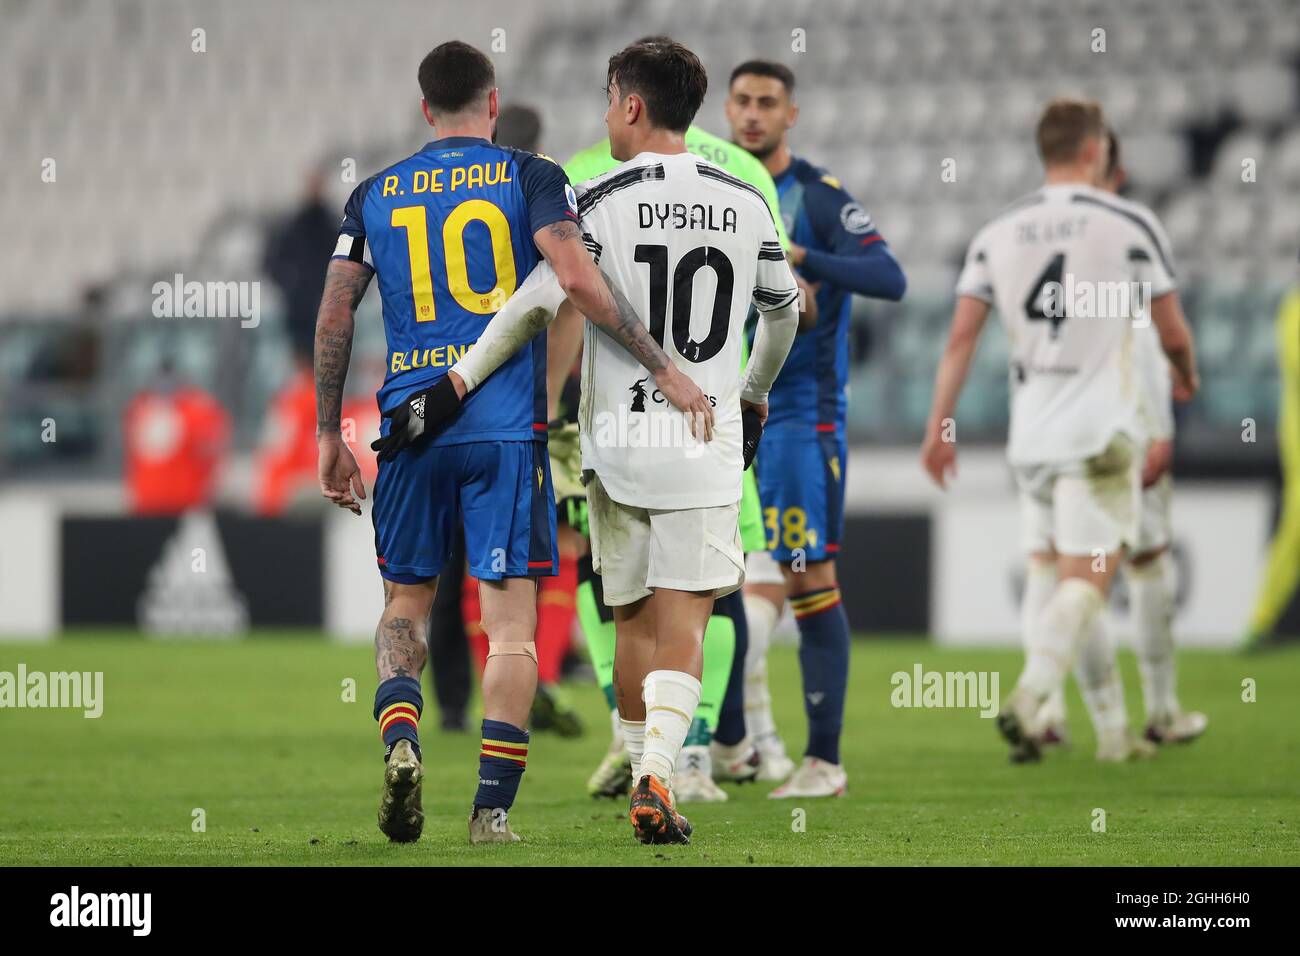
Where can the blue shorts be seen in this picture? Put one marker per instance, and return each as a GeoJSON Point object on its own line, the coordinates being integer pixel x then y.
{"type": "Point", "coordinates": [501, 490]}
{"type": "Point", "coordinates": [801, 470]}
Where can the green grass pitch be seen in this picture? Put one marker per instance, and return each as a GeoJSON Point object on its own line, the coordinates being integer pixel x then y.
{"type": "Point", "coordinates": [258, 736]}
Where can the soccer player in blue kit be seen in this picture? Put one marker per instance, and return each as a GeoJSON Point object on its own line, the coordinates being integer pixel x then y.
{"type": "Point", "coordinates": [451, 232]}
{"type": "Point", "coordinates": [836, 251]}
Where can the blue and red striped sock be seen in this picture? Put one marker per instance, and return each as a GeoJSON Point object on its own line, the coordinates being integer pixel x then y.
{"type": "Point", "coordinates": [398, 703]}
{"type": "Point", "coordinates": [501, 764]}
{"type": "Point", "coordinates": [824, 661]}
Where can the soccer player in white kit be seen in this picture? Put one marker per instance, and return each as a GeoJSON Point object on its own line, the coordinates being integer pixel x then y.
{"type": "Point", "coordinates": [1146, 567]}
{"type": "Point", "coordinates": [691, 247]}
{"type": "Point", "coordinates": [1075, 273]}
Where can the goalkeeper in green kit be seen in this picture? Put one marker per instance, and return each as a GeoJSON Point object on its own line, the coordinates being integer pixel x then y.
{"type": "Point", "coordinates": [716, 747]}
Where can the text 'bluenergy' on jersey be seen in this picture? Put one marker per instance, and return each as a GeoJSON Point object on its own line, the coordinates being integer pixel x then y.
{"type": "Point", "coordinates": [449, 233]}
{"type": "Point", "coordinates": [1072, 271]}
{"type": "Point", "coordinates": [691, 247]}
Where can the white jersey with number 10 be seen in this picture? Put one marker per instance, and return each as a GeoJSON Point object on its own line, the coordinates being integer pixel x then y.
{"type": "Point", "coordinates": [691, 247]}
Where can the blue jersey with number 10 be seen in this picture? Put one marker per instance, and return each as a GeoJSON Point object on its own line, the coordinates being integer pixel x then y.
{"type": "Point", "coordinates": [449, 234]}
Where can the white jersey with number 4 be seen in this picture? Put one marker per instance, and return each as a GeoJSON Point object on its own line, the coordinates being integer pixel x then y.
{"type": "Point", "coordinates": [1071, 271]}
{"type": "Point", "coordinates": [691, 246]}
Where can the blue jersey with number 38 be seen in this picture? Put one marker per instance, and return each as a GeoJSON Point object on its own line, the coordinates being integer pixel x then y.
{"type": "Point", "coordinates": [449, 235]}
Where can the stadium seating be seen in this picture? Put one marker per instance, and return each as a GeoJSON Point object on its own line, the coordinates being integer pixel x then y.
{"type": "Point", "coordinates": [169, 159]}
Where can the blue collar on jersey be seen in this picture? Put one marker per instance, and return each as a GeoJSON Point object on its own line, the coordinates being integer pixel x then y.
{"type": "Point", "coordinates": [796, 166]}
{"type": "Point", "coordinates": [450, 142]}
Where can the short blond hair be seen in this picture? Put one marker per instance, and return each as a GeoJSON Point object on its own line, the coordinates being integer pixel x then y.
{"type": "Point", "coordinates": [1065, 125]}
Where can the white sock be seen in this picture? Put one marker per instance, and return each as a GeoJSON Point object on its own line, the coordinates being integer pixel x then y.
{"type": "Point", "coordinates": [1057, 633]}
{"type": "Point", "coordinates": [671, 698]}
{"type": "Point", "coordinates": [1100, 681]}
{"type": "Point", "coordinates": [634, 741]}
{"type": "Point", "coordinates": [1153, 640]}
{"type": "Point", "coordinates": [761, 615]}
{"type": "Point", "coordinates": [1040, 582]}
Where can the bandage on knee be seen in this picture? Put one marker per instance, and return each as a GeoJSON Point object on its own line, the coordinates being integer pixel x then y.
{"type": "Point", "coordinates": [512, 649]}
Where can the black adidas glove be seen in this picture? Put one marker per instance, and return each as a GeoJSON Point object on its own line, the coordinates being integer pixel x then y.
{"type": "Point", "coordinates": [752, 427]}
{"type": "Point", "coordinates": [421, 412]}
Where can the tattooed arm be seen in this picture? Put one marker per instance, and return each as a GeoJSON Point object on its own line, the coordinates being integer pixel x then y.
{"type": "Point", "coordinates": [345, 284]}
{"type": "Point", "coordinates": [584, 286]}
{"type": "Point", "coordinates": [571, 274]}
{"type": "Point", "coordinates": [606, 307]}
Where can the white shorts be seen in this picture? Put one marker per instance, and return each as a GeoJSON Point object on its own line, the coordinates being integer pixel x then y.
{"type": "Point", "coordinates": [1153, 516]}
{"type": "Point", "coordinates": [635, 550]}
{"type": "Point", "coordinates": [1085, 507]}
{"type": "Point", "coordinates": [761, 568]}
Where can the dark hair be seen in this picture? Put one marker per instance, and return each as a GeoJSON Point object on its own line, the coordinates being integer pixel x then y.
{"type": "Point", "coordinates": [453, 76]}
{"type": "Point", "coordinates": [777, 71]}
{"type": "Point", "coordinates": [520, 127]}
{"type": "Point", "coordinates": [669, 77]}
{"type": "Point", "coordinates": [1112, 162]}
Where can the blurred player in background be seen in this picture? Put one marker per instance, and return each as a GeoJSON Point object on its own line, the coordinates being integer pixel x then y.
{"type": "Point", "coordinates": [1146, 569]}
{"type": "Point", "coordinates": [1076, 439]}
{"type": "Point", "coordinates": [520, 127]}
{"type": "Point", "coordinates": [1283, 570]}
{"type": "Point", "coordinates": [292, 257]}
{"type": "Point", "coordinates": [441, 281]}
{"type": "Point", "coordinates": [295, 248]}
{"type": "Point", "coordinates": [175, 437]}
{"type": "Point", "coordinates": [837, 251]}
{"type": "Point", "coordinates": [685, 240]}
{"type": "Point", "coordinates": [285, 469]}
{"type": "Point", "coordinates": [719, 728]}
